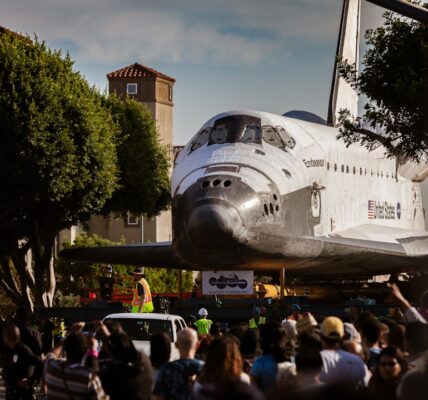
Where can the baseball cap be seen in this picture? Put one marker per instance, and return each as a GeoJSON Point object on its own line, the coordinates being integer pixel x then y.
{"type": "Point", "coordinates": [332, 328]}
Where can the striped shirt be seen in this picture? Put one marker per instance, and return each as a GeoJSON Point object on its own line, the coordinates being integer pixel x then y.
{"type": "Point", "coordinates": [82, 382]}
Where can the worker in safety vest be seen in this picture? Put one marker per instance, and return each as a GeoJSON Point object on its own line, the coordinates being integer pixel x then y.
{"type": "Point", "coordinates": [58, 331]}
{"type": "Point", "coordinates": [203, 324]}
{"type": "Point", "coordinates": [258, 319]}
{"type": "Point", "coordinates": [142, 300]}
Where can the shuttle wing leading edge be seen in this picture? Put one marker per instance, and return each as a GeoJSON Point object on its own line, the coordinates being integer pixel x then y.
{"type": "Point", "coordinates": [158, 255]}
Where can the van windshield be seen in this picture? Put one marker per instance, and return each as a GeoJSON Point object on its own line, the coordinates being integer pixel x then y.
{"type": "Point", "coordinates": [142, 329]}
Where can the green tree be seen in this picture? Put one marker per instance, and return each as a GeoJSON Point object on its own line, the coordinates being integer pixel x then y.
{"type": "Point", "coordinates": [58, 161]}
{"type": "Point", "coordinates": [161, 280]}
{"type": "Point", "coordinates": [72, 271]}
{"type": "Point", "coordinates": [395, 81]}
{"type": "Point", "coordinates": [144, 186]}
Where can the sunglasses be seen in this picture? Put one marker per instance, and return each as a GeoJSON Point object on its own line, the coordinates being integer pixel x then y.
{"type": "Point", "coordinates": [388, 364]}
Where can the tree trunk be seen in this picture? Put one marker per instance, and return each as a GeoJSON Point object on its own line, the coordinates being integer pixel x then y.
{"type": "Point", "coordinates": [51, 284]}
{"type": "Point", "coordinates": [15, 284]}
{"type": "Point", "coordinates": [31, 284]}
{"type": "Point", "coordinates": [45, 282]}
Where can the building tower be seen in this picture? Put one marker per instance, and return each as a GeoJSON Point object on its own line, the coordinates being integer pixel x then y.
{"type": "Point", "coordinates": [155, 90]}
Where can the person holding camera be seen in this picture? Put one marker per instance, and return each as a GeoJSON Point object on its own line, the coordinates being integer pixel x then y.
{"type": "Point", "coordinates": [70, 376]}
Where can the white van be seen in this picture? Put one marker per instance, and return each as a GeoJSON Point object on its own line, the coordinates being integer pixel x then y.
{"type": "Point", "coordinates": [140, 326]}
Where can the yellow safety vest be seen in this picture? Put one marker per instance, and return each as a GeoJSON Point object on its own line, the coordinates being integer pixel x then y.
{"type": "Point", "coordinates": [59, 329]}
{"type": "Point", "coordinates": [203, 325]}
{"type": "Point", "coordinates": [147, 302]}
{"type": "Point", "coordinates": [254, 325]}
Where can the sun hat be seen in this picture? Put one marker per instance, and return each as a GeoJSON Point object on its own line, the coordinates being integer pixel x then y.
{"type": "Point", "coordinates": [138, 271]}
{"type": "Point", "coordinates": [306, 323]}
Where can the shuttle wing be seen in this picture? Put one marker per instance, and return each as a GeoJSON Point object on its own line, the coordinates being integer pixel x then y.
{"type": "Point", "coordinates": [382, 239]}
{"type": "Point", "coordinates": [365, 250]}
{"type": "Point", "coordinates": [158, 255]}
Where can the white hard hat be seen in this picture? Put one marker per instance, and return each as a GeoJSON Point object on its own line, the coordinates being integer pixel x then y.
{"type": "Point", "coordinates": [202, 311]}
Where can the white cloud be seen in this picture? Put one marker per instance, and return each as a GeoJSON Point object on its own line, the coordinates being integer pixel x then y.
{"type": "Point", "coordinates": [222, 32]}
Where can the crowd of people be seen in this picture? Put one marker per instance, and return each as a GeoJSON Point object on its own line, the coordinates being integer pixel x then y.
{"type": "Point", "coordinates": [301, 357]}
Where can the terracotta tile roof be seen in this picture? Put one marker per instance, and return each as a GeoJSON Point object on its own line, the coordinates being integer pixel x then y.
{"type": "Point", "coordinates": [138, 71]}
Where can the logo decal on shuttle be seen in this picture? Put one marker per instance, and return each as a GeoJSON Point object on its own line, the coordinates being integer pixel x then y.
{"type": "Point", "coordinates": [314, 163]}
{"type": "Point", "coordinates": [382, 210]}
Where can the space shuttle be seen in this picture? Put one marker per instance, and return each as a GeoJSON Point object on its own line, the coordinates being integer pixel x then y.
{"type": "Point", "coordinates": [255, 190]}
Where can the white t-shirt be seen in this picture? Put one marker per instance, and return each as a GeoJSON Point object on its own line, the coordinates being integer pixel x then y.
{"type": "Point", "coordinates": [340, 366]}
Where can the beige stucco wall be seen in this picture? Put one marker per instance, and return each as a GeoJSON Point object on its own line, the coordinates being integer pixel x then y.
{"type": "Point", "coordinates": [146, 88]}
{"type": "Point", "coordinates": [150, 230]}
{"type": "Point", "coordinates": [164, 227]}
{"type": "Point", "coordinates": [164, 123]}
{"type": "Point", "coordinates": [114, 229]}
{"type": "Point", "coordinates": [163, 90]}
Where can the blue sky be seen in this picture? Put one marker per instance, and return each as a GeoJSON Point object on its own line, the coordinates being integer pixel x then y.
{"type": "Point", "coordinates": [271, 55]}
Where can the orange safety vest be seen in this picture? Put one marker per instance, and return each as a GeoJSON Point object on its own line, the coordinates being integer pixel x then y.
{"type": "Point", "coordinates": [147, 302]}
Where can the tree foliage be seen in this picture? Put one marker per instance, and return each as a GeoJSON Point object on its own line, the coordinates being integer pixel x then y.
{"type": "Point", "coordinates": [58, 160]}
{"type": "Point", "coordinates": [161, 280]}
{"type": "Point", "coordinates": [75, 273]}
{"type": "Point", "coordinates": [395, 81]}
{"type": "Point", "coordinates": [144, 186]}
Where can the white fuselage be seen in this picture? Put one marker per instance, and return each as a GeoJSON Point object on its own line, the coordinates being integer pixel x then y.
{"type": "Point", "coordinates": [351, 186]}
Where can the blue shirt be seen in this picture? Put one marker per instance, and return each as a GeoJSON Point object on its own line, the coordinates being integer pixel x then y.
{"type": "Point", "coordinates": [174, 379]}
{"type": "Point", "coordinates": [264, 370]}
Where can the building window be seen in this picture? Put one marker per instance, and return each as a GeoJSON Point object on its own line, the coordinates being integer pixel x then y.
{"type": "Point", "coordinates": [132, 220]}
{"type": "Point", "coordinates": [131, 88]}
{"type": "Point", "coordinates": [335, 167]}
{"type": "Point", "coordinates": [347, 169]}
{"type": "Point", "coordinates": [170, 93]}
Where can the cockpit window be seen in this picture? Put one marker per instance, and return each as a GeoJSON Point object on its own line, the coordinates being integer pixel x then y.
{"type": "Point", "coordinates": [271, 136]}
{"type": "Point", "coordinates": [252, 134]}
{"type": "Point", "coordinates": [218, 135]}
{"type": "Point", "coordinates": [200, 139]}
{"type": "Point", "coordinates": [286, 138]}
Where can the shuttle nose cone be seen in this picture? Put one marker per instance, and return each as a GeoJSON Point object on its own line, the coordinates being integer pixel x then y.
{"type": "Point", "coordinates": [210, 226]}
